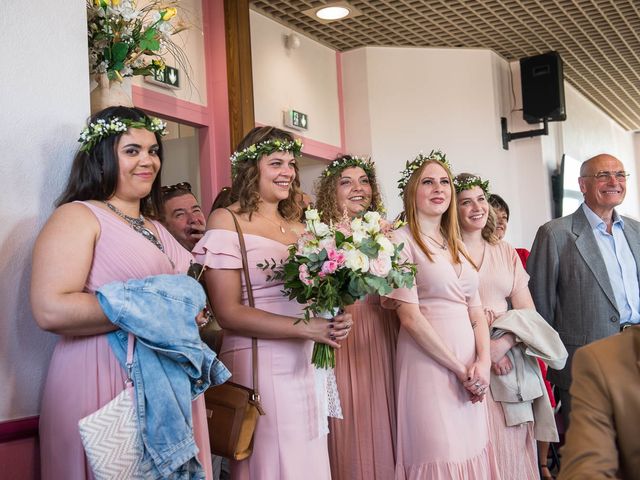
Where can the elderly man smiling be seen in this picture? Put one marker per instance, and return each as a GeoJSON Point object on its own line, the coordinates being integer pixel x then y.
{"type": "Point", "coordinates": [584, 267]}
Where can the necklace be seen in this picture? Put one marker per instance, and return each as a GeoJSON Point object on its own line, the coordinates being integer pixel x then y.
{"type": "Point", "coordinates": [279, 225]}
{"type": "Point", "coordinates": [442, 245]}
{"type": "Point", "coordinates": [138, 225]}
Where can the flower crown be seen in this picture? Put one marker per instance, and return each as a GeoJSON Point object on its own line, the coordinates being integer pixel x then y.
{"type": "Point", "coordinates": [101, 129]}
{"type": "Point", "coordinates": [348, 161]}
{"type": "Point", "coordinates": [255, 151]}
{"type": "Point", "coordinates": [416, 163]}
{"type": "Point", "coordinates": [470, 182]}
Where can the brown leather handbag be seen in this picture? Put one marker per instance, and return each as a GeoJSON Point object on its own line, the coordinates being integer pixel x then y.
{"type": "Point", "coordinates": [233, 409]}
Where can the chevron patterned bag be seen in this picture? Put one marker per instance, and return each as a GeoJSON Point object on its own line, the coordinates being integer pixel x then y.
{"type": "Point", "coordinates": [110, 435]}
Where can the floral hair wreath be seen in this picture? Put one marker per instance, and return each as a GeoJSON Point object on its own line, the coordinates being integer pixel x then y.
{"type": "Point", "coordinates": [416, 163]}
{"type": "Point", "coordinates": [101, 129]}
{"type": "Point", "coordinates": [349, 161]}
{"type": "Point", "coordinates": [255, 151]}
{"type": "Point", "coordinates": [470, 182]}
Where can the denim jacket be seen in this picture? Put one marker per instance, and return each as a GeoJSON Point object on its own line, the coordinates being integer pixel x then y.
{"type": "Point", "coordinates": [171, 365]}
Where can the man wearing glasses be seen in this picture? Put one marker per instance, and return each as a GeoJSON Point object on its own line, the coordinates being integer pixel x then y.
{"type": "Point", "coordinates": [182, 215]}
{"type": "Point", "coordinates": [584, 267]}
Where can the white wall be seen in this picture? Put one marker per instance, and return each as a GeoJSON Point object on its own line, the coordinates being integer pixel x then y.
{"type": "Point", "coordinates": [304, 79]}
{"type": "Point", "coordinates": [588, 131]}
{"type": "Point", "coordinates": [45, 101]}
{"type": "Point", "coordinates": [401, 101]}
{"type": "Point", "coordinates": [191, 41]}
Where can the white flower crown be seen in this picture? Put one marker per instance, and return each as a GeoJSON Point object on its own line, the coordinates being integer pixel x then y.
{"type": "Point", "coordinates": [94, 132]}
{"type": "Point", "coordinates": [416, 163]}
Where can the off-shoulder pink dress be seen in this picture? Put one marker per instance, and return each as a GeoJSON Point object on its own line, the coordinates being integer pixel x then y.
{"type": "Point", "coordinates": [501, 276]}
{"type": "Point", "coordinates": [84, 375]}
{"type": "Point", "coordinates": [441, 434]}
{"type": "Point", "coordinates": [362, 444]}
{"type": "Point", "coordinates": [287, 444]}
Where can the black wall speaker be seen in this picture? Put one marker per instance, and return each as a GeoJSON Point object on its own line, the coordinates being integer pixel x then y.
{"type": "Point", "coordinates": [542, 88]}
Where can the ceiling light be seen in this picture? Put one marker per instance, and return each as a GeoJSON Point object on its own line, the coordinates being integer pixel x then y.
{"type": "Point", "coordinates": [332, 13]}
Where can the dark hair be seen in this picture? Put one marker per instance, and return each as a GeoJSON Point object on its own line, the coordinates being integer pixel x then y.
{"type": "Point", "coordinates": [327, 186]}
{"type": "Point", "coordinates": [244, 188]}
{"type": "Point", "coordinates": [223, 199]}
{"type": "Point", "coordinates": [497, 202]}
{"type": "Point", "coordinates": [94, 174]}
{"type": "Point", "coordinates": [167, 192]}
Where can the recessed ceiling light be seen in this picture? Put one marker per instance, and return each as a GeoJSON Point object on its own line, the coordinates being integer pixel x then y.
{"type": "Point", "coordinates": [332, 13]}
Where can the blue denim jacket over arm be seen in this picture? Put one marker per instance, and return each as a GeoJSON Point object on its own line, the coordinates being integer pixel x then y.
{"type": "Point", "coordinates": [171, 365]}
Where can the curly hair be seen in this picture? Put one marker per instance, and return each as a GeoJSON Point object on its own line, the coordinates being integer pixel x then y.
{"type": "Point", "coordinates": [489, 230]}
{"type": "Point", "coordinates": [326, 198]}
{"type": "Point", "coordinates": [245, 185]}
{"type": "Point", "coordinates": [449, 226]}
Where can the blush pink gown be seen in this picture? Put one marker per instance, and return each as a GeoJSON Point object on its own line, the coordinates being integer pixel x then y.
{"type": "Point", "coordinates": [287, 444]}
{"type": "Point", "coordinates": [441, 434]}
{"type": "Point", "coordinates": [84, 375]}
{"type": "Point", "coordinates": [501, 276]}
{"type": "Point", "coordinates": [362, 444]}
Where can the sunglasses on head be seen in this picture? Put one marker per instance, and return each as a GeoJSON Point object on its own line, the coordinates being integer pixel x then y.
{"type": "Point", "coordinates": [183, 186]}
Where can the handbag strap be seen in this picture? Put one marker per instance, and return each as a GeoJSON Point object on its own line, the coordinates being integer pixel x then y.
{"type": "Point", "coordinates": [254, 340]}
{"type": "Point", "coordinates": [130, 344]}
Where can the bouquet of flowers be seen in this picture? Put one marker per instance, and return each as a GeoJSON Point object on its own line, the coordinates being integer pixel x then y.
{"type": "Point", "coordinates": [335, 265]}
{"type": "Point", "coordinates": [124, 41]}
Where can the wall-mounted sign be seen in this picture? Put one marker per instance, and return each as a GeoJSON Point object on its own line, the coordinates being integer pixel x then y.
{"type": "Point", "coordinates": [168, 78]}
{"type": "Point", "coordinates": [296, 119]}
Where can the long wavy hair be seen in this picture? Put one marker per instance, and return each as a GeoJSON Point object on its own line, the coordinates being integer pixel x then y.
{"type": "Point", "coordinates": [94, 174]}
{"type": "Point", "coordinates": [326, 189]}
{"type": "Point", "coordinates": [245, 184]}
{"type": "Point", "coordinates": [489, 230]}
{"type": "Point", "coordinates": [449, 227]}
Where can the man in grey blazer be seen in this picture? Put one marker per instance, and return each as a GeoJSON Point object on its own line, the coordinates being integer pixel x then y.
{"type": "Point", "coordinates": [584, 267]}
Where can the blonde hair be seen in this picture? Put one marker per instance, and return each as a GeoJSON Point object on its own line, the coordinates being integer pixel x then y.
{"type": "Point", "coordinates": [449, 227]}
{"type": "Point", "coordinates": [489, 230]}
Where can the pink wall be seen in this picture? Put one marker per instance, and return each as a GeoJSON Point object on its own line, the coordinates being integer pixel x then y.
{"type": "Point", "coordinates": [19, 450]}
{"type": "Point", "coordinates": [212, 120]}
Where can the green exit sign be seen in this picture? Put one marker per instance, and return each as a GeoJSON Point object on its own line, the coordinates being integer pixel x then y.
{"type": "Point", "coordinates": [296, 119]}
{"type": "Point", "coordinates": [169, 77]}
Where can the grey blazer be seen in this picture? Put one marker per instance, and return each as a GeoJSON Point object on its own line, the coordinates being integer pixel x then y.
{"type": "Point", "coordinates": [570, 285]}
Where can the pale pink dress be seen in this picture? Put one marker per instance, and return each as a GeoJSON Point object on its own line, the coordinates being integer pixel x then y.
{"type": "Point", "coordinates": [362, 444]}
{"type": "Point", "coordinates": [287, 443]}
{"type": "Point", "coordinates": [501, 276]}
{"type": "Point", "coordinates": [441, 434]}
{"type": "Point", "coordinates": [84, 374]}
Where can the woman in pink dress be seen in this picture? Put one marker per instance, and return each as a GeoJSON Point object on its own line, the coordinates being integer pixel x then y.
{"type": "Point", "coordinates": [90, 241]}
{"type": "Point", "coordinates": [362, 444]}
{"type": "Point", "coordinates": [442, 366]}
{"type": "Point", "coordinates": [501, 209]}
{"type": "Point", "coordinates": [502, 279]}
{"type": "Point", "coordinates": [287, 444]}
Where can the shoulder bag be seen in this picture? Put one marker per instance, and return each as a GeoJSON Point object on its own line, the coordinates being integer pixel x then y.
{"type": "Point", "coordinates": [110, 435]}
{"type": "Point", "coordinates": [233, 409]}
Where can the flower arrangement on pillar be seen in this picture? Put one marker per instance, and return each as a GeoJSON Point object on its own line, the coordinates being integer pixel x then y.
{"type": "Point", "coordinates": [125, 41]}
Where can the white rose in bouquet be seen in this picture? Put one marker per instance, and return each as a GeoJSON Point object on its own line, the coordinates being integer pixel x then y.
{"type": "Point", "coordinates": [385, 244]}
{"type": "Point", "coordinates": [372, 222]}
{"type": "Point", "coordinates": [356, 260]}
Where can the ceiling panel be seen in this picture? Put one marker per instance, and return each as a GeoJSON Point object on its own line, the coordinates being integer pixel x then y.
{"type": "Point", "coordinates": [599, 40]}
